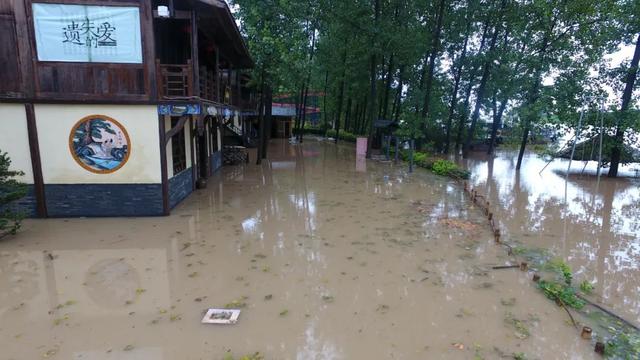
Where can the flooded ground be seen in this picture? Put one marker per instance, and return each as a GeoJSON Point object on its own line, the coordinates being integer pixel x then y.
{"type": "Point", "coordinates": [592, 225]}
{"type": "Point", "coordinates": [329, 257]}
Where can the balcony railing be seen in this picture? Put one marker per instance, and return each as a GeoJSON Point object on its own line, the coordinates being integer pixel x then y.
{"type": "Point", "coordinates": [175, 80]}
{"type": "Point", "coordinates": [208, 85]}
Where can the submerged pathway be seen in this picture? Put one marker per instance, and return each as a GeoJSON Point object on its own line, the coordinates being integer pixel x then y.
{"type": "Point", "coordinates": [328, 257]}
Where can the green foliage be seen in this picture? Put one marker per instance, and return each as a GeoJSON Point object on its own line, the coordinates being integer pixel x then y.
{"type": "Point", "coordinates": [519, 356]}
{"type": "Point", "coordinates": [328, 46]}
{"type": "Point", "coordinates": [448, 168]}
{"type": "Point", "coordinates": [622, 345]}
{"type": "Point", "coordinates": [254, 356]}
{"type": "Point", "coordinates": [586, 287]}
{"type": "Point", "coordinates": [560, 292]}
{"type": "Point", "coordinates": [561, 268]}
{"type": "Point", "coordinates": [11, 190]}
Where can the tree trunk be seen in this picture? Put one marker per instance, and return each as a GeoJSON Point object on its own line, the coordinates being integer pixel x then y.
{"type": "Point", "coordinates": [267, 119]}
{"type": "Point", "coordinates": [261, 119]}
{"type": "Point", "coordinates": [533, 96]}
{"type": "Point", "coordinates": [299, 99]}
{"type": "Point", "coordinates": [347, 115]}
{"type": "Point", "coordinates": [303, 115]}
{"type": "Point", "coordinates": [497, 121]}
{"type": "Point", "coordinates": [385, 107]}
{"type": "Point", "coordinates": [432, 59]}
{"type": "Point", "coordinates": [456, 87]}
{"type": "Point", "coordinates": [308, 81]}
{"type": "Point", "coordinates": [486, 71]}
{"type": "Point", "coordinates": [324, 102]}
{"type": "Point", "coordinates": [363, 115]}
{"type": "Point", "coordinates": [372, 73]}
{"type": "Point", "coordinates": [462, 118]}
{"type": "Point", "coordinates": [398, 102]}
{"type": "Point", "coordinates": [632, 73]}
{"type": "Point", "coordinates": [341, 95]}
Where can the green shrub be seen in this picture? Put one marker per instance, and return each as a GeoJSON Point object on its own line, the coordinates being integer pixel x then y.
{"type": "Point", "coordinates": [10, 191]}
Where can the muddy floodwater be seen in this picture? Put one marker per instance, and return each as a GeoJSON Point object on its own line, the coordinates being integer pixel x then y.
{"type": "Point", "coordinates": [592, 225]}
{"type": "Point", "coordinates": [327, 256]}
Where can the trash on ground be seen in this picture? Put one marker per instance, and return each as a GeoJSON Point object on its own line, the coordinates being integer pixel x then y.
{"type": "Point", "coordinates": [221, 316]}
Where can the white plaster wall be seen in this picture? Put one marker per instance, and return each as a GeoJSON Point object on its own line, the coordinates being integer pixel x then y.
{"type": "Point", "coordinates": [14, 139]}
{"type": "Point", "coordinates": [55, 123]}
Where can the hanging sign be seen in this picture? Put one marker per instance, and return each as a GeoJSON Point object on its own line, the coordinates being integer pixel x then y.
{"type": "Point", "coordinates": [84, 33]}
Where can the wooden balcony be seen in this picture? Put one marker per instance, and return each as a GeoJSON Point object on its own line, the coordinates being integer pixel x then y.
{"type": "Point", "coordinates": [208, 85]}
{"type": "Point", "coordinates": [175, 80]}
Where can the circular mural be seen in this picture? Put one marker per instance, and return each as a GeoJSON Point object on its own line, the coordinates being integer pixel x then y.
{"type": "Point", "coordinates": [99, 144]}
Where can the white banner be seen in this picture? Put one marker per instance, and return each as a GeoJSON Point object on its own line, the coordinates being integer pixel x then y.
{"type": "Point", "coordinates": [83, 33]}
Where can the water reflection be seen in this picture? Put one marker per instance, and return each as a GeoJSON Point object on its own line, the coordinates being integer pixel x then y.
{"type": "Point", "coordinates": [591, 224]}
{"type": "Point", "coordinates": [327, 262]}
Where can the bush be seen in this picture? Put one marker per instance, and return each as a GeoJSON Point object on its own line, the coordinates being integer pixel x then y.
{"type": "Point", "coordinates": [10, 191]}
{"type": "Point", "coordinates": [448, 168]}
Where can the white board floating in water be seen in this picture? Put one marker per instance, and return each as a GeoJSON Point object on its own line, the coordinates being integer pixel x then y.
{"type": "Point", "coordinates": [221, 316]}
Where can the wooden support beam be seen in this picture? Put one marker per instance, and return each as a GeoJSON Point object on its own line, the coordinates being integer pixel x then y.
{"type": "Point", "coordinates": [194, 169]}
{"type": "Point", "coordinates": [174, 130]}
{"type": "Point", "coordinates": [163, 165]}
{"type": "Point", "coordinates": [36, 163]}
{"type": "Point", "coordinates": [194, 53]}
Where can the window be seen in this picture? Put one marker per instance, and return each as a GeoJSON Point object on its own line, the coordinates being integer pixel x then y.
{"type": "Point", "coordinates": [178, 148]}
{"type": "Point", "coordinates": [84, 33]}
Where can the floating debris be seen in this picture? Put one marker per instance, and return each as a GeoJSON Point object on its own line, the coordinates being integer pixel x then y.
{"type": "Point", "coordinates": [221, 316]}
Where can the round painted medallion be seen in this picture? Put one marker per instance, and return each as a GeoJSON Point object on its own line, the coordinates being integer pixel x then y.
{"type": "Point", "coordinates": [99, 144]}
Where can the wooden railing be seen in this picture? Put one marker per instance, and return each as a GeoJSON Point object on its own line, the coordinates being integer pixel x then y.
{"type": "Point", "coordinates": [208, 86]}
{"type": "Point", "coordinates": [175, 80]}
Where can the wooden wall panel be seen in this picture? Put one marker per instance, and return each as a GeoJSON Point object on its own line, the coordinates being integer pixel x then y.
{"type": "Point", "coordinates": [10, 68]}
{"type": "Point", "coordinates": [22, 76]}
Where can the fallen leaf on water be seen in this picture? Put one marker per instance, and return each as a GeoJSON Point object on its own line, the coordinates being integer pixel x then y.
{"type": "Point", "coordinates": [459, 224]}
{"type": "Point", "coordinates": [50, 353]}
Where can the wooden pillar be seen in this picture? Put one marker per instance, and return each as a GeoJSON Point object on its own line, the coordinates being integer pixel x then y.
{"type": "Point", "coordinates": [218, 77]}
{"type": "Point", "coordinates": [194, 169]}
{"type": "Point", "coordinates": [163, 165]}
{"type": "Point", "coordinates": [36, 163]}
{"type": "Point", "coordinates": [194, 53]}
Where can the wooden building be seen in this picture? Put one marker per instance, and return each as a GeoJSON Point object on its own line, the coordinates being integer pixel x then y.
{"type": "Point", "coordinates": [117, 107]}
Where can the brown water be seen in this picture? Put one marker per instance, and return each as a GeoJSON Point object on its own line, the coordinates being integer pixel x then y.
{"type": "Point", "coordinates": [592, 225]}
{"type": "Point", "coordinates": [332, 260]}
